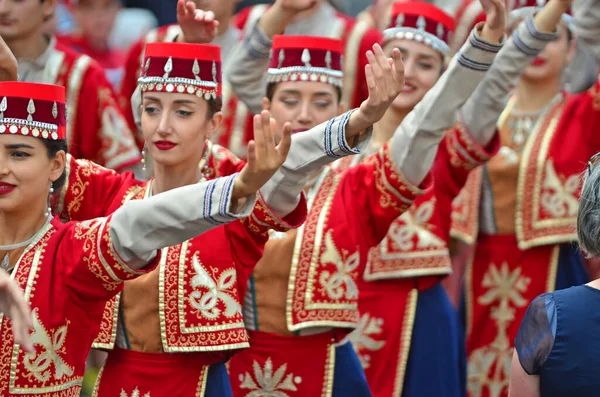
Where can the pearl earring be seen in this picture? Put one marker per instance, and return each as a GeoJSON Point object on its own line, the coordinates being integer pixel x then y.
{"type": "Point", "coordinates": [49, 209]}
{"type": "Point", "coordinates": [144, 158]}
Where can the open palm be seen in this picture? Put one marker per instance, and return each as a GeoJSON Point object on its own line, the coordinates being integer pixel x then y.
{"type": "Point", "coordinates": [495, 12]}
{"type": "Point", "coordinates": [198, 26]}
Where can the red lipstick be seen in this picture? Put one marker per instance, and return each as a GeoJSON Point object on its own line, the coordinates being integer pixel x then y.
{"type": "Point", "coordinates": [538, 62]}
{"type": "Point", "coordinates": [6, 188]}
{"type": "Point", "coordinates": [164, 145]}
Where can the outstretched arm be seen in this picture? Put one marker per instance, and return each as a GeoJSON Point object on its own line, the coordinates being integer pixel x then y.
{"type": "Point", "coordinates": [141, 227]}
{"type": "Point", "coordinates": [388, 182]}
{"type": "Point", "coordinates": [341, 136]}
{"type": "Point", "coordinates": [480, 113]}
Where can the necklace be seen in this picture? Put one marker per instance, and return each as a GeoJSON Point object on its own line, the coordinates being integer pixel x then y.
{"type": "Point", "coordinates": [521, 124]}
{"type": "Point", "coordinates": [22, 244]}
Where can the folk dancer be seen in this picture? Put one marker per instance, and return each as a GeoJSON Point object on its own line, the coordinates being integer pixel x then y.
{"type": "Point", "coordinates": [237, 127]}
{"type": "Point", "coordinates": [318, 18]}
{"type": "Point", "coordinates": [96, 127]}
{"type": "Point", "coordinates": [519, 210]}
{"type": "Point", "coordinates": [402, 303]}
{"type": "Point", "coordinates": [69, 271]}
{"type": "Point", "coordinates": [300, 315]}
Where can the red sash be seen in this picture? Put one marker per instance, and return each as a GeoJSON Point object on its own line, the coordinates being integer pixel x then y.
{"type": "Point", "coordinates": [129, 373]}
{"type": "Point", "coordinates": [295, 366]}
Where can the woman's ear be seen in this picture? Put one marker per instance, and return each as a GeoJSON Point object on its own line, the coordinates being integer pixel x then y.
{"type": "Point", "coordinates": [57, 165]}
{"type": "Point", "coordinates": [266, 104]}
{"type": "Point", "coordinates": [214, 124]}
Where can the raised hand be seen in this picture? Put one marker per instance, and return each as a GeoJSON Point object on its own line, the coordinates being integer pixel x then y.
{"type": "Point", "coordinates": [197, 26]}
{"type": "Point", "coordinates": [8, 63]}
{"type": "Point", "coordinates": [495, 19]}
{"type": "Point", "coordinates": [385, 80]}
{"type": "Point", "coordinates": [276, 18]}
{"type": "Point", "coordinates": [264, 155]}
{"type": "Point", "coordinates": [14, 306]}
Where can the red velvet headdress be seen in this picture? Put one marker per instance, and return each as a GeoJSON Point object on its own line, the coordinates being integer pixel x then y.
{"type": "Point", "coordinates": [182, 68]}
{"type": "Point", "coordinates": [421, 22]}
{"type": "Point", "coordinates": [306, 58]}
{"type": "Point", "coordinates": [30, 109]}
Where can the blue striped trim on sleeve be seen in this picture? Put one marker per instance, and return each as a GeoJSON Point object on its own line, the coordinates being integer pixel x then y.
{"type": "Point", "coordinates": [524, 48]}
{"type": "Point", "coordinates": [208, 202]}
{"type": "Point", "coordinates": [342, 135]}
{"type": "Point", "coordinates": [328, 139]}
{"type": "Point", "coordinates": [253, 52]}
{"type": "Point", "coordinates": [261, 37]}
{"type": "Point", "coordinates": [482, 45]}
{"type": "Point", "coordinates": [225, 192]}
{"type": "Point", "coordinates": [468, 63]}
{"type": "Point", "coordinates": [537, 34]}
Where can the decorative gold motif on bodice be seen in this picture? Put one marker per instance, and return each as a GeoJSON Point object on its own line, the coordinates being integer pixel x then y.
{"type": "Point", "coordinates": [221, 288]}
{"type": "Point", "coordinates": [340, 283]}
{"type": "Point", "coordinates": [560, 198]}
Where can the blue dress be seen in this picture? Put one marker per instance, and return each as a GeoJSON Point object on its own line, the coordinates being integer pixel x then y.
{"type": "Point", "coordinates": [559, 340]}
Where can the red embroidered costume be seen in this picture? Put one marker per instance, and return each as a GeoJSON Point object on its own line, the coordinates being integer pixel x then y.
{"type": "Point", "coordinates": [69, 271]}
{"type": "Point", "coordinates": [300, 314]}
{"type": "Point", "coordinates": [519, 210]}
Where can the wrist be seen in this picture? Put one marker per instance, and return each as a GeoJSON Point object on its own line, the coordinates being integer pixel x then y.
{"type": "Point", "coordinates": [357, 123]}
{"type": "Point", "coordinates": [492, 35]}
{"type": "Point", "coordinates": [284, 14]}
{"type": "Point", "coordinates": [275, 20]}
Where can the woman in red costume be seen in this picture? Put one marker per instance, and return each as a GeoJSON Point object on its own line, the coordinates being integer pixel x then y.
{"type": "Point", "coordinates": [519, 211]}
{"type": "Point", "coordinates": [401, 347]}
{"type": "Point", "coordinates": [302, 298]}
{"type": "Point", "coordinates": [69, 271]}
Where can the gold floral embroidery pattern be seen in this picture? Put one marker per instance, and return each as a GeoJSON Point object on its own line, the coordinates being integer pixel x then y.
{"type": "Point", "coordinates": [489, 366]}
{"type": "Point", "coordinates": [52, 344]}
{"type": "Point", "coordinates": [340, 283]}
{"type": "Point", "coordinates": [88, 231]}
{"type": "Point", "coordinates": [267, 383]}
{"type": "Point", "coordinates": [560, 200]}
{"type": "Point", "coordinates": [183, 327]}
{"type": "Point", "coordinates": [363, 338]}
{"type": "Point", "coordinates": [77, 188]}
{"type": "Point", "coordinates": [135, 393]}
{"type": "Point", "coordinates": [223, 290]}
{"type": "Point", "coordinates": [416, 226]}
